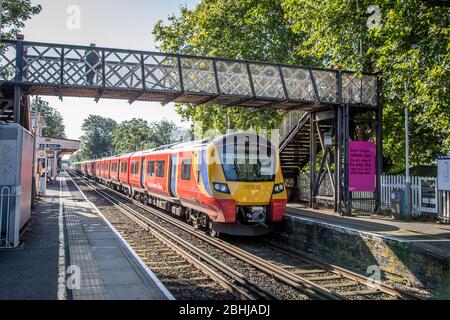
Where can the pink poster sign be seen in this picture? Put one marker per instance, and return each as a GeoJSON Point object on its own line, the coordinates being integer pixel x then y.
{"type": "Point", "coordinates": [361, 166]}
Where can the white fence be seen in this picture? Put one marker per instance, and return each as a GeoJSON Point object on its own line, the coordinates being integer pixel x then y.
{"type": "Point", "coordinates": [441, 199]}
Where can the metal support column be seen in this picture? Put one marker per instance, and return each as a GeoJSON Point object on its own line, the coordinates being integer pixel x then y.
{"type": "Point", "coordinates": [18, 79]}
{"type": "Point", "coordinates": [379, 150]}
{"type": "Point", "coordinates": [312, 160]}
{"type": "Point", "coordinates": [337, 158]}
{"type": "Point", "coordinates": [346, 134]}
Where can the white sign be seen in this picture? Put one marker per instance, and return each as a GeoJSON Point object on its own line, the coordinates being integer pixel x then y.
{"type": "Point", "coordinates": [327, 137]}
{"type": "Point", "coordinates": [428, 195]}
{"type": "Point", "coordinates": [444, 173]}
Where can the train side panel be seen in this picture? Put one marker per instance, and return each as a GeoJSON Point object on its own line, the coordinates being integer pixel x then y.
{"type": "Point", "coordinates": [156, 175]}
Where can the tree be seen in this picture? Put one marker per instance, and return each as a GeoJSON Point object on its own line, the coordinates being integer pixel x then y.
{"type": "Point", "coordinates": [247, 29]}
{"type": "Point", "coordinates": [137, 134]}
{"type": "Point", "coordinates": [97, 138]}
{"type": "Point", "coordinates": [14, 14]}
{"type": "Point", "coordinates": [165, 132]}
{"type": "Point", "coordinates": [54, 121]}
{"type": "Point", "coordinates": [410, 47]}
{"type": "Point", "coordinates": [129, 134]}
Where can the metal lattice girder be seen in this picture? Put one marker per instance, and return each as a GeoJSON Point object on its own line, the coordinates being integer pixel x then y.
{"type": "Point", "coordinates": [7, 62]}
{"type": "Point", "coordinates": [54, 69]}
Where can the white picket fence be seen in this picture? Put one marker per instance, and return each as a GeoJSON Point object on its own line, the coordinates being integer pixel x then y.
{"type": "Point", "coordinates": [388, 184]}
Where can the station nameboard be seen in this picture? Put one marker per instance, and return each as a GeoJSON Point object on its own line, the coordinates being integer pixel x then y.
{"type": "Point", "coordinates": [361, 166]}
{"type": "Point", "coordinates": [443, 169]}
{"type": "Point", "coordinates": [53, 147]}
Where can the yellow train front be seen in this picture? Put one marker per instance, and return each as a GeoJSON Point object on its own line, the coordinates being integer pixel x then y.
{"type": "Point", "coordinates": [240, 185]}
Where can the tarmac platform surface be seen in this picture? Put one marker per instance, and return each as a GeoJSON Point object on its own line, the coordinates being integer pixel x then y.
{"type": "Point", "coordinates": [432, 235]}
{"type": "Point", "coordinates": [70, 252]}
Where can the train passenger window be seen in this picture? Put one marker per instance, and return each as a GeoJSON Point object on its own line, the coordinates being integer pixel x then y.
{"type": "Point", "coordinates": [151, 168]}
{"type": "Point", "coordinates": [160, 168]}
{"type": "Point", "coordinates": [124, 167]}
{"type": "Point", "coordinates": [114, 167]}
{"type": "Point", "coordinates": [186, 169]}
{"type": "Point", "coordinates": [134, 168]}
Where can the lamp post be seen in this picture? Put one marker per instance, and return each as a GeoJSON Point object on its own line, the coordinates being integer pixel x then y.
{"type": "Point", "coordinates": [407, 176]}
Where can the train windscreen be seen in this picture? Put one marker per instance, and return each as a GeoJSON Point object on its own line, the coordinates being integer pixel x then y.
{"type": "Point", "coordinates": [247, 158]}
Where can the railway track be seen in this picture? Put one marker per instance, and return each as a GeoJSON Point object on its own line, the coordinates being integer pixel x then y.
{"type": "Point", "coordinates": [165, 252]}
{"type": "Point", "coordinates": [313, 278]}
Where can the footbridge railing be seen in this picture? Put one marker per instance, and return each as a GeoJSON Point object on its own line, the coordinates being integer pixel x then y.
{"type": "Point", "coordinates": [83, 71]}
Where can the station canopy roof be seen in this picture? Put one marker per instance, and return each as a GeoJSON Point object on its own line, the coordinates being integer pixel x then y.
{"type": "Point", "coordinates": [63, 146]}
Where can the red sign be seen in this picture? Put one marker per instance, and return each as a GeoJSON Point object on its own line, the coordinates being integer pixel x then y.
{"type": "Point", "coordinates": [361, 169]}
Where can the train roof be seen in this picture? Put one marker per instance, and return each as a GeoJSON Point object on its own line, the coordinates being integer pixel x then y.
{"type": "Point", "coordinates": [177, 146]}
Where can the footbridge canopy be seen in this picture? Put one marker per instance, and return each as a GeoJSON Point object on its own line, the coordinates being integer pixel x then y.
{"type": "Point", "coordinates": [83, 71]}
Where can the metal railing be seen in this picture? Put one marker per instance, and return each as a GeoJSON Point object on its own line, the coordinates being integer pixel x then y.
{"type": "Point", "coordinates": [142, 75]}
{"type": "Point", "coordinates": [388, 184]}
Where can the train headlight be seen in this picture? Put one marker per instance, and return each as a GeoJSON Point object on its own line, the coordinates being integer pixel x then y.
{"type": "Point", "coordinates": [279, 187]}
{"type": "Point", "coordinates": [221, 187]}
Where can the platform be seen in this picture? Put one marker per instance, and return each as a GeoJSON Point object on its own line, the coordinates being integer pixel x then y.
{"type": "Point", "coordinates": [382, 226]}
{"type": "Point", "coordinates": [417, 252]}
{"type": "Point", "coordinates": [66, 239]}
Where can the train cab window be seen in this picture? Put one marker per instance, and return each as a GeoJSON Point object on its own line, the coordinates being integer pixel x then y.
{"type": "Point", "coordinates": [160, 168]}
{"type": "Point", "coordinates": [151, 168]}
{"type": "Point", "coordinates": [186, 165]}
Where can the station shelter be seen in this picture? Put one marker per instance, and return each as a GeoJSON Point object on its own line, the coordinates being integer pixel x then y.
{"type": "Point", "coordinates": [49, 152]}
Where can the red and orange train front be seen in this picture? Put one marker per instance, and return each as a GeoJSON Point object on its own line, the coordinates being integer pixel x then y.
{"type": "Point", "coordinates": [231, 184]}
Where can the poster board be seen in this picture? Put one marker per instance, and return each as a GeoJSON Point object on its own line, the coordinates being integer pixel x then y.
{"type": "Point", "coordinates": [361, 169]}
{"type": "Point", "coordinates": [443, 170]}
{"type": "Point", "coordinates": [428, 195]}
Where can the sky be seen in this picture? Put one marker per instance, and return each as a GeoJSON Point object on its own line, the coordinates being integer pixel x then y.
{"type": "Point", "coordinates": [107, 23]}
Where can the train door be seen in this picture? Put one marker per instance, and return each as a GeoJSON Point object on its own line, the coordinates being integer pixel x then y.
{"type": "Point", "coordinates": [142, 172]}
{"type": "Point", "coordinates": [173, 175]}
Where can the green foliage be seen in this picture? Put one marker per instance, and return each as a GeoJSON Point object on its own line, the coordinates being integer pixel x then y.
{"type": "Point", "coordinates": [166, 132]}
{"type": "Point", "coordinates": [97, 138]}
{"type": "Point", "coordinates": [129, 134]}
{"type": "Point", "coordinates": [137, 134]}
{"type": "Point", "coordinates": [54, 121]}
{"type": "Point", "coordinates": [246, 29]}
{"type": "Point", "coordinates": [103, 136]}
{"type": "Point", "coordinates": [411, 46]}
{"type": "Point", "coordinates": [14, 14]}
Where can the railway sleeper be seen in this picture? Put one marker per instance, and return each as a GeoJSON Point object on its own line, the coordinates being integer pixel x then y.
{"type": "Point", "coordinates": [340, 284]}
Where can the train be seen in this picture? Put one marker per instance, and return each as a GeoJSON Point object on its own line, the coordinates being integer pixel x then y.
{"type": "Point", "coordinates": [230, 184]}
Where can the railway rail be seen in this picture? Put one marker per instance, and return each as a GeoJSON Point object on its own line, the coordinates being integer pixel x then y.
{"type": "Point", "coordinates": [313, 278]}
{"type": "Point", "coordinates": [161, 245]}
